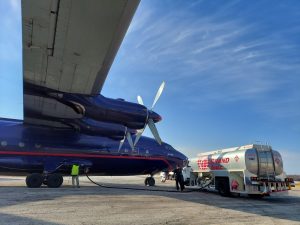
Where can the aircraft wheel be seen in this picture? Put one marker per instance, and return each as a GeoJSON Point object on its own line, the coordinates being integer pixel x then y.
{"type": "Point", "coordinates": [34, 180]}
{"type": "Point", "coordinates": [147, 181]}
{"type": "Point", "coordinates": [151, 181]}
{"type": "Point", "coordinates": [54, 180]}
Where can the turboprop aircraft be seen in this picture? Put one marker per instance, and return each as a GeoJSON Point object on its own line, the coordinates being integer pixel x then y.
{"type": "Point", "coordinates": [68, 48]}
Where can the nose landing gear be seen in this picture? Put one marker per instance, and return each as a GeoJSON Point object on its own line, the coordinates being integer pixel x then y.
{"type": "Point", "coordinates": [150, 181]}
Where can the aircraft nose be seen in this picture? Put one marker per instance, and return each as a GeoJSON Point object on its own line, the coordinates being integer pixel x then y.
{"type": "Point", "coordinates": [182, 159]}
{"type": "Point", "coordinates": [154, 116]}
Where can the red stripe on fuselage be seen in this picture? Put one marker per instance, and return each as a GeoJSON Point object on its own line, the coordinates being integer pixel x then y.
{"type": "Point", "coordinates": [83, 156]}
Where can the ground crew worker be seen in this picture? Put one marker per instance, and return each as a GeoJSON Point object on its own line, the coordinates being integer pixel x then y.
{"type": "Point", "coordinates": [179, 178]}
{"type": "Point", "coordinates": [75, 175]}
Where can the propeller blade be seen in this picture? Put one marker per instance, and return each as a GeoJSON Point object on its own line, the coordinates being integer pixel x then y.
{"type": "Point", "coordinates": [159, 91]}
{"type": "Point", "coordinates": [140, 100]}
{"type": "Point", "coordinates": [138, 136]}
{"type": "Point", "coordinates": [154, 131]}
{"type": "Point", "coordinates": [121, 144]}
{"type": "Point", "coordinates": [129, 139]}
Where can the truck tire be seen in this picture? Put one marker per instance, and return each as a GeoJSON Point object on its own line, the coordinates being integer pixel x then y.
{"type": "Point", "coordinates": [223, 187]}
{"type": "Point", "coordinates": [34, 180]}
{"type": "Point", "coordinates": [54, 180]}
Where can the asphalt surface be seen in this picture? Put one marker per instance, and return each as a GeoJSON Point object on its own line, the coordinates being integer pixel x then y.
{"type": "Point", "coordinates": [91, 204]}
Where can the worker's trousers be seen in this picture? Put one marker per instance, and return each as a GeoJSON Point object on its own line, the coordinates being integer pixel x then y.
{"type": "Point", "coordinates": [75, 179]}
{"type": "Point", "coordinates": [181, 184]}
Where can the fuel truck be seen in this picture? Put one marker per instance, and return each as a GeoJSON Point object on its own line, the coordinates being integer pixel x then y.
{"type": "Point", "coordinates": [256, 170]}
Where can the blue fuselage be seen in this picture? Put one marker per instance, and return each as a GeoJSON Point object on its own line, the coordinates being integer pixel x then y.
{"type": "Point", "coordinates": [28, 149]}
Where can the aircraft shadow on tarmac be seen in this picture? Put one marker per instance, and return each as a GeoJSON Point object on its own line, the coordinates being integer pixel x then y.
{"type": "Point", "coordinates": [281, 206]}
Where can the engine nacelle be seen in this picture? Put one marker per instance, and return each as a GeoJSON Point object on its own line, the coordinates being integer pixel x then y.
{"type": "Point", "coordinates": [104, 109]}
{"type": "Point", "coordinates": [96, 128]}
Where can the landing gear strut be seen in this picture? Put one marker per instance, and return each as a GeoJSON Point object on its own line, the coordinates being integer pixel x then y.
{"type": "Point", "coordinates": [149, 181]}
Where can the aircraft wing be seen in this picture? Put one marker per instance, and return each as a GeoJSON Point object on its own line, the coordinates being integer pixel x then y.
{"type": "Point", "coordinates": [69, 46]}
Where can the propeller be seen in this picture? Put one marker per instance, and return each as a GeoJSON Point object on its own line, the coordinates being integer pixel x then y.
{"type": "Point", "coordinates": [140, 100]}
{"type": "Point", "coordinates": [150, 121]}
{"type": "Point", "coordinates": [129, 139]}
{"type": "Point", "coordinates": [158, 94]}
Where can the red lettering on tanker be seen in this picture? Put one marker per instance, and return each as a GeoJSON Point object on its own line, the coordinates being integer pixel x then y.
{"type": "Point", "coordinates": [213, 164]}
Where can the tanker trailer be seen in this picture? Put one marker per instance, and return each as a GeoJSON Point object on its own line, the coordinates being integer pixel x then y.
{"type": "Point", "coordinates": [256, 170]}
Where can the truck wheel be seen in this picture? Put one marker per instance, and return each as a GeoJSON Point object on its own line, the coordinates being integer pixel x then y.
{"type": "Point", "coordinates": [54, 180]}
{"type": "Point", "coordinates": [224, 188]}
{"type": "Point", "coordinates": [151, 181]}
{"type": "Point", "coordinates": [34, 180]}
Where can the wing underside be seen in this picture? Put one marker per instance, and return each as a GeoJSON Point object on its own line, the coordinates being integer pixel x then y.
{"type": "Point", "coordinates": [69, 46]}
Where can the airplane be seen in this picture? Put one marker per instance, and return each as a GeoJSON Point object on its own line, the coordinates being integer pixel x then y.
{"type": "Point", "coordinates": [68, 49]}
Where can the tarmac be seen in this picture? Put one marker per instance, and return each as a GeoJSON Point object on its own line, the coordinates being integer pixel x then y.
{"type": "Point", "coordinates": [92, 204]}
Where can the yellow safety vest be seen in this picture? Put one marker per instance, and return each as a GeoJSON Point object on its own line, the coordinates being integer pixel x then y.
{"type": "Point", "coordinates": [75, 170]}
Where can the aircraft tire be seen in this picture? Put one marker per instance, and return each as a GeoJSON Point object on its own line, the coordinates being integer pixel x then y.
{"type": "Point", "coordinates": [34, 180]}
{"type": "Point", "coordinates": [151, 181]}
{"type": "Point", "coordinates": [147, 181]}
{"type": "Point", "coordinates": [54, 180]}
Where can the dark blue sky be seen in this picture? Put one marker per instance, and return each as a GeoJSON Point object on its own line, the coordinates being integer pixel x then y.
{"type": "Point", "coordinates": [231, 70]}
